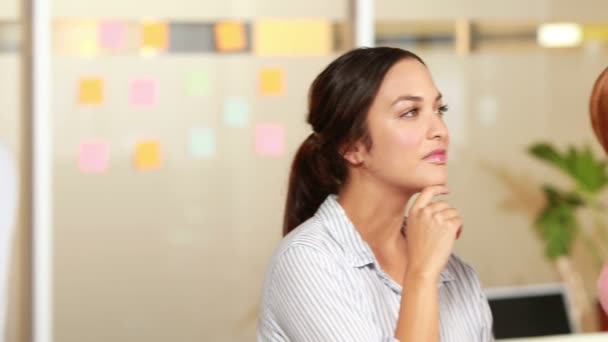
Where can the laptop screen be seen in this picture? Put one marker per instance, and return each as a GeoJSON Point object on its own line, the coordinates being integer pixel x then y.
{"type": "Point", "coordinates": [530, 311]}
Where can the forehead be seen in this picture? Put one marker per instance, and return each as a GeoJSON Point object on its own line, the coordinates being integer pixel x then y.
{"type": "Point", "coordinates": [407, 77]}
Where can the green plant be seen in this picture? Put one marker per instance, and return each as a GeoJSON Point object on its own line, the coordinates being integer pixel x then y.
{"type": "Point", "coordinates": [558, 222]}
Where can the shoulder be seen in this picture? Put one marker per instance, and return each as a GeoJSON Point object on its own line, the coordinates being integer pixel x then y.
{"type": "Point", "coordinates": [463, 272]}
{"type": "Point", "coordinates": [311, 237]}
{"type": "Point", "coordinates": [307, 252]}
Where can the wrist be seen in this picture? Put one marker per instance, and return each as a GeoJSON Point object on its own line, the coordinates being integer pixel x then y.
{"type": "Point", "coordinates": [420, 276]}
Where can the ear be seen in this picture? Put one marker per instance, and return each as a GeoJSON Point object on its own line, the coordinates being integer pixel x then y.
{"type": "Point", "coordinates": [353, 153]}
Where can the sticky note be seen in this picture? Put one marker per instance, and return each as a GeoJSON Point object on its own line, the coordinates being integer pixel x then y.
{"type": "Point", "coordinates": [236, 112]}
{"type": "Point", "coordinates": [230, 36]}
{"type": "Point", "coordinates": [595, 32]}
{"type": "Point", "coordinates": [87, 38]}
{"type": "Point", "coordinates": [78, 37]}
{"type": "Point", "coordinates": [271, 81]}
{"type": "Point", "coordinates": [143, 93]}
{"type": "Point", "coordinates": [148, 155]}
{"type": "Point", "coordinates": [269, 139]}
{"type": "Point", "coordinates": [89, 48]}
{"type": "Point", "coordinates": [197, 83]}
{"type": "Point", "coordinates": [154, 35]}
{"type": "Point", "coordinates": [90, 91]}
{"type": "Point", "coordinates": [93, 157]}
{"type": "Point", "coordinates": [202, 142]}
{"type": "Point", "coordinates": [282, 37]}
{"type": "Point", "coordinates": [112, 35]}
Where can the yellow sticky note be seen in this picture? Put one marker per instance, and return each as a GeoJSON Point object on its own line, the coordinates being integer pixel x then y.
{"type": "Point", "coordinates": [90, 91]}
{"type": "Point", "coordinates": [281, 37]}
{"type": "Point", "coordinates": [154, 36]}
{"type": "Point", "coordinates": [148, 155]}
{"type": "Point", "coordinates": [271, 81]}
{"type": "Point", "coordinates": [595, 33]}
{"type": "Point", "coordinates": [230, 36]}
{"type": "Point", "coordinates": [76, 37]}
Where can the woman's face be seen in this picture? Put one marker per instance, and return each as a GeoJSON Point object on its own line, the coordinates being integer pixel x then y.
{"type": "Point", "coordinates": [409, 137]}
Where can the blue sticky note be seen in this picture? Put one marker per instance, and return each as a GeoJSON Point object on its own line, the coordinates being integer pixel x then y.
{"type": "Point", "coordinates": [236, 112]}
{"type": "Point", "coordinates": [202, 142]}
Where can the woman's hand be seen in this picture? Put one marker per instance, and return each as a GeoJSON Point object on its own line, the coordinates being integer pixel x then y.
{"type": "Point", "coordinates": [432, 228]}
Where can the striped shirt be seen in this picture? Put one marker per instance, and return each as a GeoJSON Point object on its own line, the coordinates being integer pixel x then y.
{"type": "Point", "coordinates": [325, 284]}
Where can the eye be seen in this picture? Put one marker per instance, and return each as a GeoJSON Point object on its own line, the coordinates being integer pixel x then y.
{"type": "Point", "coordinates": [442, 110]}
{"type": "Point", "coordinates": [410, 113]}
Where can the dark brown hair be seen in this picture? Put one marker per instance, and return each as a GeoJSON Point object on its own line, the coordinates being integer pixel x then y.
{"type": "Point", "coordinates": [338, 103]}
{"type": "Point", "coordinates": [599, 109]}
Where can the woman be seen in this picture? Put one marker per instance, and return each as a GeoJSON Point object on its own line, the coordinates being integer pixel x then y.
{"type": "Point", "coordinates": [350, 268]}
{"type": "Point", "coordinates": [598, 106]}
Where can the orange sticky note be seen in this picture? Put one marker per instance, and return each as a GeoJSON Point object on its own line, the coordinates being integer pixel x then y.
{"type": "Point", "coordinates": [148, 155]}
{"type": "Point", "coordinates": [230, 36]}
{"type": "Point", "coordinates": [90, 91]}
{"type": "Point", "coordinates": [154, 35]}
{"type": "Point", "coordinates": [271, 81]}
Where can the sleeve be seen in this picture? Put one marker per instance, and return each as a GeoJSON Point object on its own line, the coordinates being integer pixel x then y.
{"type": "Point", "coordinates": [487, 334]}
{"type": "Point", "coordinates": [311, 301]}
{"type": "Point", "coordinates": [485, 314]}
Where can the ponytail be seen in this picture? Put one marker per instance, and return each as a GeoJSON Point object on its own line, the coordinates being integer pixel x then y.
{"type": "Point", "coordinates": [316, 172]}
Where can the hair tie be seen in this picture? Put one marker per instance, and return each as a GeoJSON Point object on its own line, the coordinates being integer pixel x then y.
{"type": "Point", "coordinates": [315, 139]}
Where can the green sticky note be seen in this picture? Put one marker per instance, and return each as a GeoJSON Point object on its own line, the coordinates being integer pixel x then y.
{"type": "Point", "coordinates": [202, 142]}
{"type": "Point", "coordinates": [197, 83]}
{"type": "Point", "coordinates": [236, 112]}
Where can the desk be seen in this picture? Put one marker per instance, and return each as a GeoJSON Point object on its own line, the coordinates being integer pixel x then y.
{"type": "Point", "coordinates": [596, 337]}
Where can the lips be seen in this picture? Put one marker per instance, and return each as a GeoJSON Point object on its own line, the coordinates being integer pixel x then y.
{"type": "Point", "coordinates": [437, 156]}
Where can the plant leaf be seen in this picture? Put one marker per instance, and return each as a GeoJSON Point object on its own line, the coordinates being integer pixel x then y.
{"type": "Point", "coordinates": [547, 153]}
{"type": "Point", "coordinates": [588, 173]}
{"type": "Point", "coordinates": [558, 226]}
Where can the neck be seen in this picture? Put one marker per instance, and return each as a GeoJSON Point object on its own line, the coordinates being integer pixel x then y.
{"type": "Point", "coordinates": [377, 211]}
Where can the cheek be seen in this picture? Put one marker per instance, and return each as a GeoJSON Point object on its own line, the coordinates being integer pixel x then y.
{"type": "Point", "coordinates": [410, 140]}
{"type": "Point", "coordinates": [402, 149]}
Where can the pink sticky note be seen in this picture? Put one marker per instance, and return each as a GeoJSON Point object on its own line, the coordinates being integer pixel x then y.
{"type": "Point", "coordinates": [112, 35]}
{"type": "Point", "coordinates": [93, 157]}
{"type": "Point", "coordinates": [143, 93]}
{"type": "Point", "coordinates": [269, 139]}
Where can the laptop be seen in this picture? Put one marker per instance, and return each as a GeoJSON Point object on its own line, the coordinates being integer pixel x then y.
{"type": "Point", "coordinates": [530, 311]}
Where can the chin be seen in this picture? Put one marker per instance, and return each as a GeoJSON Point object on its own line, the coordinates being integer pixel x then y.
{"type": "Point", "coordinates": [431, 180]}
{"type": "Point", "coordinates": [422, 179]}
{"type": "Point", "coordinates": [425, 183]}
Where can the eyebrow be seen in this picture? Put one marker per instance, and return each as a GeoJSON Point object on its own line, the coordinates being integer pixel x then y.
{"type": "Point", "coordinates": [413, 98]}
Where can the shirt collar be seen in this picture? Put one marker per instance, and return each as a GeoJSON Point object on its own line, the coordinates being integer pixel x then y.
{"type": "Point", "coordinates": [343, 231]}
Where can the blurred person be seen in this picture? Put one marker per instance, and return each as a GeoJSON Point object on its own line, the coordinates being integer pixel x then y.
{"type": "Point", "coordinates": [352, 267]}
{"type": "Point", "coordinates": [599, 109]}
{"type": "Point", "coordinates": [8, 211]}
{"type": "Point", "coordinates": [599, 119]}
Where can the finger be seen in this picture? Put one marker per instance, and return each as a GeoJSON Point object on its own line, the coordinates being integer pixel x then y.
{"type": "Point", "coordinates": [456, 223]}
{"type": "Point", "coordinates": [448, 214]}
{"type": "Point", "coordinates": [459, 232]}
{"type": "Point", "coordinates": [427, 194]}
{"type": "Point", "coordinates": [438, 206]}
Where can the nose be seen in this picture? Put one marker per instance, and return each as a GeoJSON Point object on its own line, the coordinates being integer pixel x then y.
{"type": "Point", "coordinates": [437, 129]}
